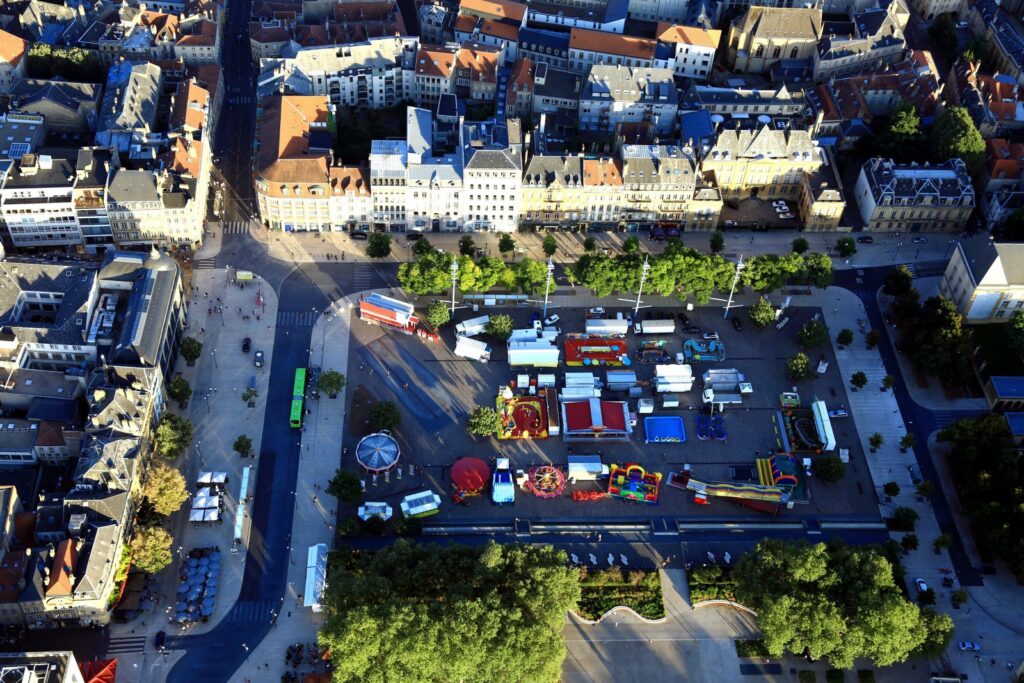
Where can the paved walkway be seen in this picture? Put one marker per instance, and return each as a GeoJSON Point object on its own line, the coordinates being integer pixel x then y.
{"type": "Point", "coordinates": [315, 510]}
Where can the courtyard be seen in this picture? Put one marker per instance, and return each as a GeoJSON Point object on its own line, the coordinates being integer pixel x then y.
{"type": "Point", "coordinates": [436, 391]}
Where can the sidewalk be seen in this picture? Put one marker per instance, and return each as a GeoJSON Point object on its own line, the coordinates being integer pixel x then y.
{"type": "Point", "coordinates": [315, 511]}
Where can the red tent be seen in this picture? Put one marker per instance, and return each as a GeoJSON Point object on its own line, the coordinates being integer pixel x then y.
{"type": "Point", "coordinates": [470, 474]}
{"type": "Point", "coordinates": [99, 670]}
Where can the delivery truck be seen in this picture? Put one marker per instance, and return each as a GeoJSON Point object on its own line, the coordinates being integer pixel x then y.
{"type": "Point", "coordinates": [473, 326]}
{"type": "Point", "coordinates": [473, 349]}
{"type": "Point", "coordinates": [655, 327]}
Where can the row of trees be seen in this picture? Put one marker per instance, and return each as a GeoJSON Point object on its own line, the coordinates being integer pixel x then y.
{"type": "Point", "coordinates": [73, 64]}
{"type": "Point", "coordinates": [954, 135]}
{"type": "Point", "coordinates": [431, 273]}
{"type": "Point", "coordinates": [990, 483]}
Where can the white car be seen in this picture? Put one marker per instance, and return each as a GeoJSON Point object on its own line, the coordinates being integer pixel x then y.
{"type": "Point", "coordinates": [710, 336]}
{"type": "Point", "coordinates": [921, 585]}
{"type": "Point", "coordinates": [786, 215]}
{"type": "Point", "coordinates": [551, 320]}
{"type": "Point", "coordinates": [595, 311]}
{"type": "Point", "coordinates": [779, 204]}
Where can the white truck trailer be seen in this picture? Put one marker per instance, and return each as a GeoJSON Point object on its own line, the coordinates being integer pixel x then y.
{"type": "Point", "coordinates": [473, 349]}
{"type": "Point", "coordinates": [473, 326]}
{"type": "Point", "coordinates": [655, 327]}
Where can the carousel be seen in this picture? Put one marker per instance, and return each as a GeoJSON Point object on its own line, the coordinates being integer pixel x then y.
{"type": "Point", "coordinates": [378, 452]}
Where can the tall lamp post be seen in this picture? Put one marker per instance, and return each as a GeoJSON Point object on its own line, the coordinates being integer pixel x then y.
{"type": "Point", "coordinates": [644, 270]}
{"type": "Point", "coordinates": [547, 286]}
{"type": "Point", "coordinates": [455, 279]}
{"type": "Point", "coordinates": [732, 290]}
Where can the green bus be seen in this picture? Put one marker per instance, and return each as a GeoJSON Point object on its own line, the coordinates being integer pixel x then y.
{"type": "Point", "coordinates": [298, 396]}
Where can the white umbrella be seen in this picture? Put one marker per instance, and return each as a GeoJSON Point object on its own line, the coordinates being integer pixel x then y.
{"type": "Point", "coordinates": [728, 557]}
{"type": "Point", "coordinates": [624, 559]}
{"type": "Point", "coordinates": [711, 557]}
{"type": "Point", "coordinates": [575, 558]}
{"type": "Point", "coordinates": [611, 560]}
{"type": "Point", "coordinates": [593, 559]}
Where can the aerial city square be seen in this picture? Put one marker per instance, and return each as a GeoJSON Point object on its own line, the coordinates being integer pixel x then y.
{"type": "Point", "coordinates": [559, 340]}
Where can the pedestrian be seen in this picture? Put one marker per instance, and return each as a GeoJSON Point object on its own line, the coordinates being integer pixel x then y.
{"type": "Point", "coordinates": [314, 498]}
{"type": "Point", "coordinates": [599, 538]}
{"type": "Point", "coordinates": [289, 613]}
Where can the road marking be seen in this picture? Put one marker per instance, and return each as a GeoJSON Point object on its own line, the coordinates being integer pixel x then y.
{"type": "Point", "coordinates": [251, 611]}
{"type": "Point", "coordinates": [296, 318]}
{"type": "Point", "coordinates": [126, 645]}
{"type": "Point", "coordinates": [206, 263]}
{"type": "Point", "coordinates": [235, 228]}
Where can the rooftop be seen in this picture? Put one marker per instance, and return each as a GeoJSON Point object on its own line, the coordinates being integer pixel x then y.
{"type": "Point", "coordinates": [611, 43]}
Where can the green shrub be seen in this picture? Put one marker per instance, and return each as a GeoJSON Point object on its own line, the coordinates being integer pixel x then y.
{"type": "Point", "coordinates": [807, 677]}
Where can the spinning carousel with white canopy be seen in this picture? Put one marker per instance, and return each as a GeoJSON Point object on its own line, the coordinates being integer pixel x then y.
{"type": "Point", "coordinates": [377, 452]}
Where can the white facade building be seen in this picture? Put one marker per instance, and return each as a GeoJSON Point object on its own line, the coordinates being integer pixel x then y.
{"type": "Point", "coordinates": [492, 178]}
{"type": "Point", "coordinates": [613, 95]}
{"type": "Point", "coordinates": [36, 204]}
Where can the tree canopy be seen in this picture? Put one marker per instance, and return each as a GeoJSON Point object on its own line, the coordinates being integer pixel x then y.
{"type": "Point", "coordinates": [898, 282]}
{"type": "Point", "coordinates": [178, 389]}
{"type": "Point", "coordinates": [506, 245]}
{"type": "Point", "coordinates": [549, 246]}
{"type": "Point", "coordinates": [483, 421]}
{"type": "Point", "coordinates": [500, 326]}
{"type": "Point", "coordinates": [331, 382]}
{"type": "Point", "coordinates": [937, 339]}
{"type": "Point", "coordinates": [834, 601]}
{"type": "Point", "coordinates": [990, 483]}
{"type": "Point", "coordinates": [1015, 331]}
{"type": "Point", "coordinates": [762, 313]}
{"type": "Point", "coordinates": [164, 488]}
{"type": "Point", "coordinates": [151, 548]}
{"type": "Point", "coordinates": [431, 273]}
{"type": "Point", "coordinates": [955, 136]}
{"type": "Point", "coordinates": [345, 486]}
{"type": "Point", "coordinates": [378, 245]}
{"type": "Point", "coordinates": [173, 435]}
{"type": "Point", "coordinates": [73, 64]}
{"type": "Point", "coordinates": [813, 334]}
{"type": "Point", "coordinates": [191, 349]}
{"type": "Point", "coordinates": [243, 445]}
{"type": "Point", "coordinates": [438, 314]}
{"type": "Point", "coordinates": [444, 613]}
{"type": "Point", "coordinates": [903, 138]}
{"type": "Point", "coordinates": [384, 415]}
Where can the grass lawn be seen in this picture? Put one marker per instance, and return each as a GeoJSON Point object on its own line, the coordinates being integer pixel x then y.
{"type": "Point", "coordinates": [993, 350]}
{"type": "Point", "coordinates": [604, 589]}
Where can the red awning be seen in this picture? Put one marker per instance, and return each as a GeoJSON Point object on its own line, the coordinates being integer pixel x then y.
{"type": "Point", "coordinates": [470, 474]}
{"type": "Point", "coordinates": [99, 670]}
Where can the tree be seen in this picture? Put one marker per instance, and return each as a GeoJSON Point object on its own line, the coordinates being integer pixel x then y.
{"type": "Point", "coordinates": [898, 282]}
{"type": "Point", "coordinates": [799, 367]}
{"type": "Point", "coordinates": [631, 245]}
{"type": "Point", "coordinates": [891, 489]}
{"type": "Point", "coordinates": [817, 270]}
{"type": "Point", "coordinates": [500, 326]}
{"type": "Point", "coordinates": [875, 441]}
{"type": "Point", "coordinates": [938, 341]}
{"type": "Point", "coordinates": [549, 246]}
{"type": "Point", "coordinates": [941, 542]}
{"type": "Point", "coordinates": [378, 245]}
{"type": "Point", "coordinates": [903, 137]}
{"type": "Point", "coordinates": [762, 313]}
{"type": "Point", "coordinates": [905, 518]}
{"type": "Point", "coordinates": [409, 527]}
{"type": "Point", "coordinates": [872, 338]}
{"type": "Point", "coordinates": [1015, 331]}
{"type": "Point", "coordinates": [954, 135]}
{"type": "Point", "coordinates": [924, 489]}
{"type": "Point", "coordinates": [910, 542]}
{"type": "Point", "coordinates": [845, 337]}
{"type": "Point", "coordinates": [813, 334]}
{"type": "Point", "coordinates": [831, 601]}
{"type": "Point", "coordinates": [717, 242]}
{"type": "Point", "coordinates": [331, 382]}
{"type": "Point", "coordinates": [164, 488]}
{"type": "Point", "coordinates": [430, 273]}
{"type": "Point", "coordinates": [173, 435]}
{"type": "Point", "coordinates": [859, 380]}
{"type": "Point", "coordinates": [178, 389]}
{"type": "Point", "coordinates": [438, 314]}
{"type": "Point", "coordinates": [771, 271]}
{"type": "Point", "coordinates": [384, 415]}
{"type": "Point", "coordinates": [191, 349]}
{"type": "Point", "coordinates": [484, 421]}
{"type": "Point", "coordinates": [943, 32]}
{"type": "Point", "coordinates": [846, 247]}
{"type": "Point", "coordinates": [467, 247]}
{"type": "Point", "coordinates": [151, 548]}
{"type": "Point", "coordinates": [243, 446]}
{"type": "Point", "coordinates": [422, 247]}
{"type": "Point", "coordinates": [829, 469]}
{"type": "Point", "coordinates": [249, 396]}
{"type": "Point", "coordinates": [506, 245]}
{"type": "Point", "coordinates": [907, 441]}
{"type": "Point", "coordinates": [589, 244]}
{"type": "Point", "coordinates": [448, 613]}
{"type": "Point", "coordinates": [530, 275]}
{"type": "Point", "coordinates": [800, 245]}
{"type": "Point", "coordinates": [346, 486]}
{"type": "Point", "coordinates": [926, 597]}
{"type": "Point", "coordinates": [887, 382]}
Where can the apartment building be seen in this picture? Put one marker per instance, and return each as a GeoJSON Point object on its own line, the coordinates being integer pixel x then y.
{"type": "Point", "coordinates": [544, 47]}
{"type": "Point", "coordinates": [13, 58]}
{"type": "Point", "coordinates": [496, 23]}
{"type": "Point", "coordinates": [871, 39]}
{"type": "Point", "coordinates": [587, 48]}
{"type": "Point", "coordinates": [389, 162]}
{"type": "Point", "coordinates": [36, 204]}
{"type": "Point", "coordinates": [659, 184]}
{"type": "Point", "coordinates": [614, 95]}
{"type": "Point", "coordinates": [144, 207]}
{"type": "Point", "coordinates": [913, 198]}
{"type": "Point", "coordinates": [994, 101]}
{"type": "Point", "coordinates": [66, 106]}
{"type": "Point", "coordinates": [985, 279]}
{"type": "Point", "coordinates": [435, 74]}
{"type": "Point", "coordinates": [492, 162]}
{"type": "Point", "coordinates": [552, 192]}
{"type": "Point", "coordinates": [596, 15]}
{"type": "Point", "coordinates": [93, 169]}
{"type": "Point", "coordinates": [764, 162]}
{"type": "Point", "coordinates": [476, 72]}
{"type": "Point", "coordinates": [694, 49]}
{"type": "Point", "coordinates": [556, 92]}
{"type": "Point", "coordinates": [743, 103]}
{"type": "Point", "coordinates": [519, 96]}
{"type": "Point", "coordinates": [200, 35]}
{"type": "Point", "coordinates": [129, 108]}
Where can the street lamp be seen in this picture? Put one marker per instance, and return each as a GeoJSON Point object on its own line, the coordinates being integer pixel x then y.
{"type": "Point", "coordinates": [547, 286]}
{"type": "Point", "coordinates": [215, 358]}
{"type": "Point", "coordinates": [644, 269]}
{"type": "Point", "coordinates": [455, 279]}
{"type": "Point", "coordinates": [732, 290]}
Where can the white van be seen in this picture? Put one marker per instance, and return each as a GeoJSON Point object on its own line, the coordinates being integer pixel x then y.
{"type": "Point", "coordinates": [587, 468]}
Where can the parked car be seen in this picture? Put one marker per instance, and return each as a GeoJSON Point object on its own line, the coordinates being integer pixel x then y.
{"type": "Point", "coordinates": [737, 324]}
{"type": "Point", "coordinates": [691, 329]}
{"type": "Point", "coordinates": [962, 24]}
{"type": "Point", "coordinates": [921, 585]}
{"type": "Point", "coordinates": [246, 345]}
{"type": "Point", "coordinates": [786, 216]}
{"type": "Point", "coordinates": [709, 336]}
{"type": "Point", "coordinates": [865, 239]}
{"type": "Point", "coordinates": [730, 224]}
{"type": "Point", "coordinates": [968, 646]}
{"type": "Point", "coordinates": [683, 318]}
{"type": "Point", "coordinates": [257, 359]}
{"type": "Point", "coordinates": [413, 236]}
{"type": "Point", "coordinates": [549, 321]}
{"type": "Point", "coordinates": [920, 240]}
{"type": "Point", "coordinates": [597, 310]}
{"type": "Point", "coordinates": [780, 203]}
{"type": "Point", "coordinates": [360, 236]}
{"type": "Point", "coordinates": [161, 638]}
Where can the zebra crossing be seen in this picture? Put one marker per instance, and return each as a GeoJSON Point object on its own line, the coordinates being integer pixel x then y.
{"type": "Point", "coordinates": [296, 318]}
{"type": "Point", "coordinates": [912, 268]}
{"type": "Point", "coordinates": [126, 645]}
{"type": "Point", "coordinates": [206, 263]}
{"type": "Point", "coordinates": [235, 227]}
{"type": "Point", "coordinates": [362, 278]}
{"type": "Point", "coordinates": [944, 418]}
{"type": "Point", "coordinates": [244, 99]}
{"type": "Point", "coordinates": [251, 612]}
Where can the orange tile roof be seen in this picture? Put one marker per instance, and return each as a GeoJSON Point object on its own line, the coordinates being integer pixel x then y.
{"type": "Point", "coordinates": [433, 60]}
{"type": "Point", "coordinates": [191, 102]}
{"type": "Point", "coordinates": [185, 156]}
{"type": "Point", "coordinates": [465, 23]}
{"type": "Point", "coordinates": [206, 35]}
{"type": "Point", "coordinates": [208, 76]}
{"type": "Point", "coordinates": [62, 570]}
{"type": "Point", "coordinates": [12, 48]}
{"type": "Point", "coordinates": [50, 433]}
{"type": "Point", "coordinates": [284, 126]}
{"type": "Point", "coordinates": [166, 24]}
{"type": "Point", "coordinates": [688, 35]}
{"type": "Point", "coordinates": [481, 60]}
{"type": "Point", "coordinates": [354, 179]}
{"type": "Point", "coordinates": [494, 9]}
{"type": "Point", "coordinates": [1005, 159]}
{"type": "Point", "coordinates": [611, 43]}
{"type": "Point", "coordinates": [499, 29]}
{"type": "Point", "coordinates": [522, 74]}
{"type": "Point", "coordinates": [602, 172]}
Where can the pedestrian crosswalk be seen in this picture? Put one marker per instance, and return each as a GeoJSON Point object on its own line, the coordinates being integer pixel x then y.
{"type": "Point", "coordinates": [126, 645]}
{"type": "Point", "coordinates": [206, 263]}
{"type": "Point", "coordinates": [235, 227]}
{"type": "Point", "coordinates": [297, 318]}
{"type": "Point", "coordinates": [912, 268]}
{"type": "Point", "coordinates": [362, 278]}
{"type": "Point", "coordinates": [944, 418]}
{"type": "Point", "coordinates": [245, 99]}
{"type": "Point", "coordinates": [252, 612]}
